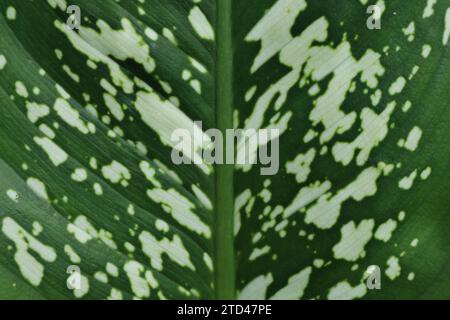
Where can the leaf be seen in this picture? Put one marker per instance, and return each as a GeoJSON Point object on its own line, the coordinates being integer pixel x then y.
{"type": "Point", "coordinates": [87, 179]}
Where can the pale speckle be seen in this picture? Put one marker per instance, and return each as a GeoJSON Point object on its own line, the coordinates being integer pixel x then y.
{"type": "Point", "coordinates": [326, 211]}
{"type": "Point", "coordinates": [37, 228]}
{"type": "Point", "coordinates": [201, 24]}
{"type": "Point", "coordinates": [139, 284]}
{"type": "Point", "coordinates": [101, 276]}
{"type": "Point", "coordinates": [3, 62]}
{"type": "Point", "coordinates": [36, 111]}
{"type": "Point", "coordinates": [197, 65]}
{"type": "Point", "coordinates": [407, 182]}
{"type": "Point", "coordinates": [11, 13]}
{"type": "Point", "coordinates": [72, 117]}
{"type": "Point", "coordinates": [161, 225]}
{"type": "Point", "coordinates": [174, 249]}
{"type": "Point", "coordinates": [384, 231]}
{"type": "Point", "coordinates": [61, 4]}
{"type": "Point", "coordinates": [301, 165]}
{"type": "Point", "coordinates": [75, 77]}
{"type": "Point", "coordinates": [98, 189]}
{"type": "Point", "coordinates": [130, 210]}
{"type": "Point", "coordinates": [132, 45]}
{"type": "Point", "coordinates": [295, 287]}
{"type": "Point", "coordinates": [426, 49]}
{"type": "Point", "coordinates": [393, 270]}
{"type": "Point", "coordinates": [57, 155]}
{"type": "Point", "coordinates": [181, 210]}
{"type": "Point", "coordinates": [429, 9]}
{"type": "Point", "coordinates": [273, 29]}
{"type": "Point", "coordinates": [202, 197]}
{"type": "Point", "coordinates": [353, 240]}
{"type": "Point", "coordinates": [208, 261]}
{"type": "Point", "coordinates": [413, 139]}
{"type": "Point", "coordinates": [112, 269]}
{"type": "Point", "coordinates": [258, 252]}
{"type": "Point", "coordinates": [30, 267]}
{"type": "Point", "coordinates": [318, 263]}
{"type": "Point", "coordinates": [410, 31]}
{"type": "Point", "coordinates": [73, 256]}
{"type": "Point", "coordinates": [397, 86]}
{"type": "Point", "coordinates": [79, 175]}
{"type": "Point", "coordinates": [446, 34]}
{"type": "Point", "coordinates": [116, 172]}
{"type": "Point", "coordinates": [13, 195]}
{"type": "Point", "coordinates": [344, 291]}
{"type": "Point", "coordinates": [407, 106]}
{"type": "Point", "coordinates": [114, 107]}
{"type": "Point", "coordinates": [38, 187]}
{"type": "Point", "coordinates": [151, 34]}
{"type": "Point", "coordinates": [425, 174]}
{"type": "Point", "coordinates": [196, 85]}
{"type": "Point", "coordinates": [93, 163]}
{"type": "Point", "coordinates": [59, 54]}
{"type": "Point", "coordinates": [257, 288]}
{"type": "Point", "coordinates": [21, 90]}
{"type": "Point", "coordinates": [168, 34]}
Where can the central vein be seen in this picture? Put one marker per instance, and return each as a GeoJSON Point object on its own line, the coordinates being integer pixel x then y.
{"type": "Point", "coordinates": [224, 265]}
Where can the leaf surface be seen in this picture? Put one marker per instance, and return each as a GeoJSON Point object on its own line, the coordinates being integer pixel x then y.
{"type": "Point", "coordinates": [87, 178]}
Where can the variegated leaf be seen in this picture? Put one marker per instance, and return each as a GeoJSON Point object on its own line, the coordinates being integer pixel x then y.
{"type": "Point", "coordinates": [87, 179]}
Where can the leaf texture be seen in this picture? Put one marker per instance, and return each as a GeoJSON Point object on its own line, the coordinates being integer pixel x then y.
{"type": "Point", "coordinates": [86, 176]}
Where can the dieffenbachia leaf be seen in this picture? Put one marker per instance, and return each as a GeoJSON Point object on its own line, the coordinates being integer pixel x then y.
{"type": "Point", "coordinates": [87, 182]}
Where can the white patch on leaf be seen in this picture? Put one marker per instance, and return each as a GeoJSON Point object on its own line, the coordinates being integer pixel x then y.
{"type": "Point", "coordinates": [201, 24]}
{"type": "Point", "coordinates": [30, 267]}
{"type": "Point", "coordinates": [353, 240]}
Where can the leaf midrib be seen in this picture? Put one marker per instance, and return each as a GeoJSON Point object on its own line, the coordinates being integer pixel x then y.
{"type": "Point", "coordinates": [224, 266]}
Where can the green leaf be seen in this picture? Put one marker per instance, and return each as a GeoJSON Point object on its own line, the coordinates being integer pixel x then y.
{"type": "Point", "coordinates": [86, 172]}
